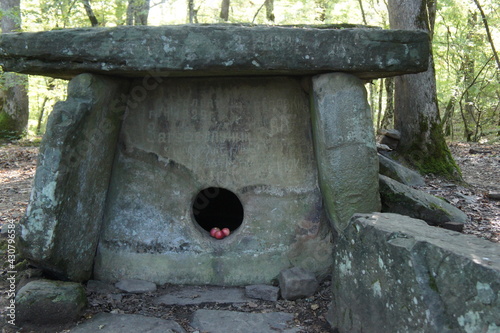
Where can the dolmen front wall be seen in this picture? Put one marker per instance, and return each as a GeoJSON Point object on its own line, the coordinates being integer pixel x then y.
{"type": "Point", "coordinates": [155, 150]}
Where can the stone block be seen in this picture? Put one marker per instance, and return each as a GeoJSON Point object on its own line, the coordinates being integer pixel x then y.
{"type": "Point", "coordinates": [263, 292]}
{"type": "Point", "coordinates": [240, 322]}
{"type": "Point", "coordinates": [344, 142]}
{"type": "Point", "coordinates": [215, 50]}
{"type": "Point", "coordinates": [127, 323]}
{"type": "Point", "coordinates": [63, 220]}
{"type": "Point", "coordinates": [401, 199]}
{"type": "Point", "coordinates": [393, 273]}
{"type": "Point", "coordinates": [251, 138]}
{"type": "Point", "coordinates": [297, 283]}
{"type": "Point", "coordinates": [136, 286]}
{"type": "Point", "coordinates": [45, 302]}
{"type": "Point", "coordinates": [396, 171]}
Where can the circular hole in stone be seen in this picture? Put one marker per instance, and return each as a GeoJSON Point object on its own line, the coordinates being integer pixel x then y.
{"type": "Point", "coordinates": [217, 207]}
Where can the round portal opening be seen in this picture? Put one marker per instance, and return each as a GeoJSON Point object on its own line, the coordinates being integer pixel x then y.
{"type": "Point", "coordinates": [217, 207]}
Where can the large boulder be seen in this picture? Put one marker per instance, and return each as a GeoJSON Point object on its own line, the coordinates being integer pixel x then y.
{"type": "Point", "coordinates": [401, 199]}
{"type": "Point", "coordinates": [46, 302]}
{"type": "Point", "coordinates": [393, 273]}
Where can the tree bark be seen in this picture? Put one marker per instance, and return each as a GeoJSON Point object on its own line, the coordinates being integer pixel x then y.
{"type": "Point", "coordinates": [416, 112]}
{"type": "Point", "coordinates": [224, 9]}
{"type": "Point", "coordinates": [90, 13]}
{"type": "Point", "coordinates": [14, 112]}
{"type": "Point", "coordinates": [137, 12]}
{"type": "Point", "coordinates": [270, 10]}
{"type": "Point", "coordinates": [388, 119]}
{"type": "Point", "coordinates": [192, 12]}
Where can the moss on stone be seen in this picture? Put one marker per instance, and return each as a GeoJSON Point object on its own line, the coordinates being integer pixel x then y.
{"type": "Point", "coordinates": [8, 127]}
{"type": "Point", "coordinates": [434, 156]}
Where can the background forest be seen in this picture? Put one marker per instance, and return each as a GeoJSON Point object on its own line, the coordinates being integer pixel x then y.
{"type": "Point", "coordinates": [465, 35]}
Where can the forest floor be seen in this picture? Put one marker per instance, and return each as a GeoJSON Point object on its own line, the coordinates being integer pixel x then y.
{"type": "Point", "coordinates": [480, 165]}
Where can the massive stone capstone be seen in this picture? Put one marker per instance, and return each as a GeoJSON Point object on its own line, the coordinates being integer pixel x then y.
{"type": "Point", "coordinates": [215, 50]}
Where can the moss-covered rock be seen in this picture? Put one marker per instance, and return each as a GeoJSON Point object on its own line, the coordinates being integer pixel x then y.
{"type": "Point", "coordinates": [401, 199]}
{"type": "Point", "coordinates": [46, 302]}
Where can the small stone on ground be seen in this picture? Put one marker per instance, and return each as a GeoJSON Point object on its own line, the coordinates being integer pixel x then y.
{"type": "Point", "coordinates": [297, 283]}
{"type": "Point", "coordinates": [241, 322]}
{"type": "Point", "coordinates": [263, 292]}
{"type": "Point", "coordinates": [127, 323]}
{"type": "Point", "coordinates": [136, 286]}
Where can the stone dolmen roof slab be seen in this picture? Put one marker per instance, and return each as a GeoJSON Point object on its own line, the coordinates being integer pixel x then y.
{"type": "Point", "coordinates": [215, 50]}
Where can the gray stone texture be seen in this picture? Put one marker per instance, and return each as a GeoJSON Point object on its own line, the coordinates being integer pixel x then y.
{"type": "Point", "coordinates": [263, 292]}
{"type": "Point", "coordinates": [211, 50]}
{"type": "Point", "coordinates": [297, 283]}
{"type": "Point", "coordinates": [218, 321]}
{"type": "Point", "coordinates": [251, 136]}
{"type": "Point", "coordinates": [398, 172]}
{"type": "Point", "coordinates": [192, 295]}
{"type": "Point", "coordinates": [344, 143]}
{"type": "Point", "coordinates": [393, 273]}
{"type": "Point", "coordinates": [402, 199]}
{"type": "Point", "coordinates": [136, 286]}
{"type": "Point", "coordinates": [45, 302]}
{"type": "Point", "coordinates": [127, 323]}
{"type": "Point", "coordinates": [62, 223]}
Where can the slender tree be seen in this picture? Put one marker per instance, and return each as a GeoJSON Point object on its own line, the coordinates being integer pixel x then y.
{"type": "Point", "coordinates": [415, 99]}
{"type": "Point", "coordinates": [90, 13]}
{"type": "Point", "coordinates": [137, 12]}
{"type": "Point", "coordinates": [14, 106]}
{"type": "Point", "coordinates": [224, 10]}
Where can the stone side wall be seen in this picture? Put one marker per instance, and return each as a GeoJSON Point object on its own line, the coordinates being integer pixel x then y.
{"type": "Point", "coordinates": [393, 273]}
{"type": "Point", "coordinates": [344, 142]}
{"type": "Point", "coordinates": [63, 219]}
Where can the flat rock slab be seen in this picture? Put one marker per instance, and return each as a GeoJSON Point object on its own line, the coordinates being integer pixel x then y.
{"type": "Point", "coordinates": [215, 321]}
{"type": "Point", "coordinates": [214, 50]}
{"type": "Point", "coordinates": [127, 323]}
{"type": "Point", "coordinates": [198, 295]}
{"type": "Point", "coordinates": [136, 286]}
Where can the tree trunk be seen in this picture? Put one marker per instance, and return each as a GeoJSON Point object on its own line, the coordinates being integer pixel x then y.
{"type": "Point", "coordinates": [14, 105]}
{"type": "Point", "coordinates": [270, 10]}
{"type": "Point", "coordinates": [137, 12]}
{"type": "Point", "coordinates": [416, 112]}
{"type": "Point", "coordinates": [192, 12]}
{"type": "Point", "coordinates": [90, 13]}
{"type": "Point", "coordinates": [224, 10]}
{"type": "Point", "coordinates": [388, 119]}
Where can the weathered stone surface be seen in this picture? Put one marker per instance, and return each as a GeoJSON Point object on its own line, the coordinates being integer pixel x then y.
{"type": "Point", "coordinates": [263, 292]}
{"type": "Point", "coordinates": [393, 273]}
{"type": "Point", "coordinates": [401, 199]}
{"type": "Point", "coordinates": [45, 302]}
{"type": "Point", "coordinates": [297, 283]}
{"type": "Point", "coordinates": [396, 171]}
{"type": "Point", "coordinates": [99, 287]}
{"type": "Point", "coordinates": [390, 133]}
{"type": "Point", "coordinates": [241, 322]}
{"type": "Point", "coordinates": [194, 50]}
{"type": "Point", "coordinates": [345, 147]}
{"type": "Point", "coordinates": [198, 295]}
{"type": "Point", "coordinates": [63, 219]}
{"type": "Point", "coordinates": [136, 286]}
{"type": "Point", "coordinates": [127, 323]}
{"type": "Point", "coordinates": [247, 135]}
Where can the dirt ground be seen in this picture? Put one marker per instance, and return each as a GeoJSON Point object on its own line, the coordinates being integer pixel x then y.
{"type": "Point", "coordinates": [480, 165]}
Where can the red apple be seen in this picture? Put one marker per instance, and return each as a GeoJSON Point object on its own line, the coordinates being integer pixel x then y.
{"type": "Point", "coordinates": [219, 234]}
{"type": "Point", "coordinates": [213, 231]}
{"type": "Point", "coordinates": [226, 231]}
